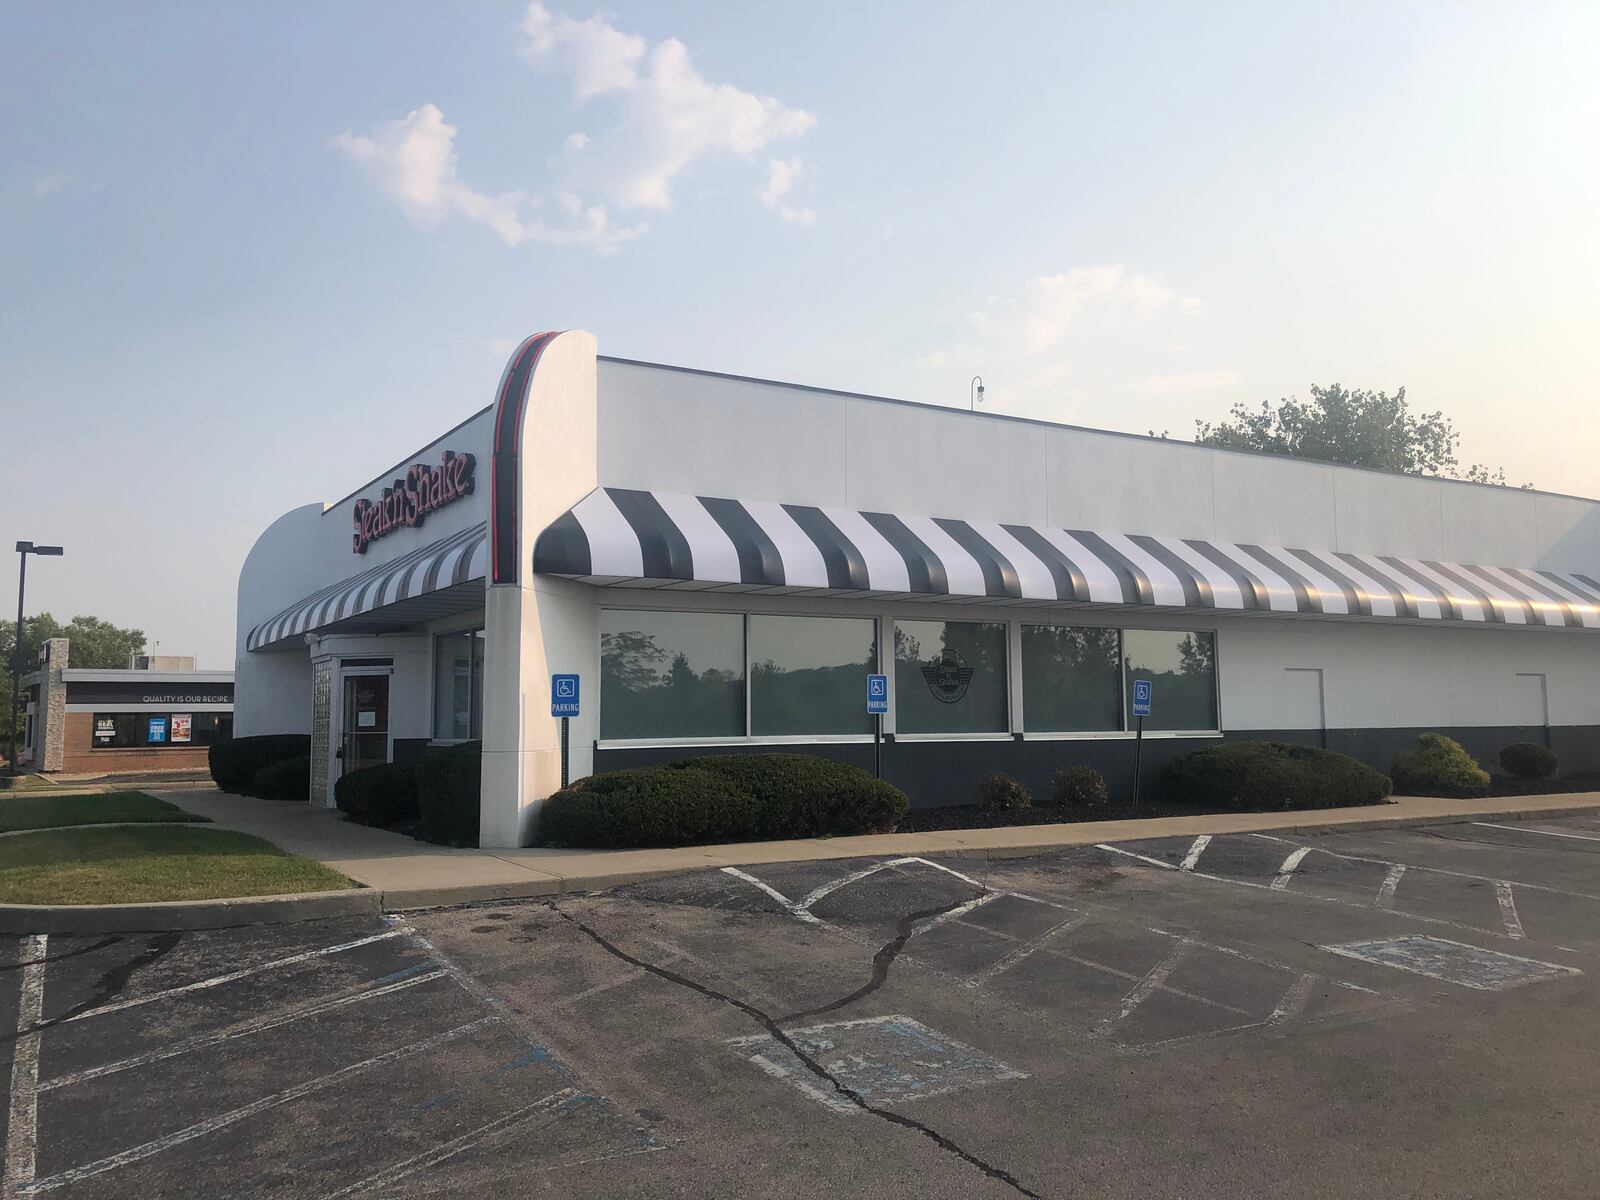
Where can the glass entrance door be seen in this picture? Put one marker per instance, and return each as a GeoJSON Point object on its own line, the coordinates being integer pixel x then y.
{"type": "Point", "coordinates": [366, 721]}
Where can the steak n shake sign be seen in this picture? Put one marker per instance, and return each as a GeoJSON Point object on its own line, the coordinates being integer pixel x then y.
{"type": "Point", "coordinates": [408, 501]}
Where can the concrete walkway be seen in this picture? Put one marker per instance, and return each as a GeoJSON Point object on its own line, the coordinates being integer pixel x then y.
{"type": "Point", "coordinates": [413, 874]}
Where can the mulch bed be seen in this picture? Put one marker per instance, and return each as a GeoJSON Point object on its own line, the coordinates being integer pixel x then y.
{"type": "Point", "coordinates": [970, 816]}
{"type": "Point", "coordinates": [1508, 786]}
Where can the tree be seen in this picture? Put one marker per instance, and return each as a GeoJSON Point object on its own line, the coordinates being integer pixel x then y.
{"type": "Point", "coordinates": [1352, 426]}
{"type": "Point", "coordinates": [96, 644]}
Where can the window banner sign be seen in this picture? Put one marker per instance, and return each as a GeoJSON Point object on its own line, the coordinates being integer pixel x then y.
{"type": "Point", "coordinates": [105, 731]}
{"type": "Point", "coordinates": [158, 731]}
{"type": "Point", "coordinates": [406, 503]}
{"type": "Point", "coordinates": [182, 725]}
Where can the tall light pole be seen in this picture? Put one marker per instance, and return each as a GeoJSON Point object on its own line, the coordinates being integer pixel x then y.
{"type": "Point", "coordinates": [23, 550]}
{"type": "Point", "coordinates": [975, 393]}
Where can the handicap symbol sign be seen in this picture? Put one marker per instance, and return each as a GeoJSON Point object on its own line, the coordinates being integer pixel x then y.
{"type": "Point", "coordinates": [563, 695]}
{"type": "Point", "coordinates": [877, 694]}
{"type": "Point", "coordinates": [1142, 690]}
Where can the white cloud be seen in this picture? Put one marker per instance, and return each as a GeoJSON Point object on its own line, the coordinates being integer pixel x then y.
{"type": "Point", "coordinates": [1051, 305]}
{"type": "Point", "coordinates": [1183, 382]}
{"type": "Point", "coordinates": [655, 116]}
{"type": "Point", "coordinates": [782, 175]}
{"type": "Point", "coordinates": [600, 58]}
{"type": "Point", "coordinates": [1068, 338]}
{"type": "Point", "coordinates": [50, 184]}
{"type": "Point", "coordinates": [412, 161]}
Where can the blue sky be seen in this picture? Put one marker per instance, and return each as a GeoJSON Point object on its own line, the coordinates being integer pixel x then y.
{"type": "Point", "coordinates": [254, 253]}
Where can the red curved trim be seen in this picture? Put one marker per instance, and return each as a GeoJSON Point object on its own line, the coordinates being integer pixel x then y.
{"type": "Point", "coordinates": [504, 494]}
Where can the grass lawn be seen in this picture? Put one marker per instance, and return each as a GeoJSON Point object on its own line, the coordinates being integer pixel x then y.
{"type": "Point", "coordinates": [48, 812]}
{"type": "Point", "coordinates": [134, 865]}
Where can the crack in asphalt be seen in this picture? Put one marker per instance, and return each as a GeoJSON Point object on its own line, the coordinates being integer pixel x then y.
{"type": "Point", "coordinates": [882, 961]}
{"type": "Point", "coordinates": [109, 985]}
{"type": "Point", "coordinates": [772, 1027]}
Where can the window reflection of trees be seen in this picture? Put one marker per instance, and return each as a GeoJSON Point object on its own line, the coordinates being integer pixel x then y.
{"type": "Point", "coordinates": [1071, 678]}
{"type": "Point", "coordinates": [647, 693]}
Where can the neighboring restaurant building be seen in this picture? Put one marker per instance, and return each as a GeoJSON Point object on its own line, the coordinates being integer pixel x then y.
{"type": "Point", "coordinates": [160, 714]}
{"type": "Point", "coordinates": [723, 560]}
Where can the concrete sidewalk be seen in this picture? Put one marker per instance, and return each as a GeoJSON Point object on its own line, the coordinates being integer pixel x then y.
{"type": "Point", "coordinates": [413, 874]}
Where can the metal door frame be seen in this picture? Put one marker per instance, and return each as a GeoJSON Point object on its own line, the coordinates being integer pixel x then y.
{"type": "Point", "coordinates": [345, 673]}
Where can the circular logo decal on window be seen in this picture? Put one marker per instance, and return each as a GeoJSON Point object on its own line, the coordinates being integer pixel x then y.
{"type": "Point", "coordinates": [948, 676]}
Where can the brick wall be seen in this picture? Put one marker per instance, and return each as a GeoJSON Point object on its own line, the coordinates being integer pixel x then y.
{"type": "Point", "coordinates": [79, 757]}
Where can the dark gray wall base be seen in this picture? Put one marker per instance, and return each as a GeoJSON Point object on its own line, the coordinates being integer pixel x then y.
{"type": "Point", "coordinates": [410, 750]}
{"type": "Point", "coordinates": [934, 774]}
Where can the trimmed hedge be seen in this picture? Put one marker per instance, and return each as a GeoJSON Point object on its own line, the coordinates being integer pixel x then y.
{"type": "Point", "coordinates": [383, 796]}
{"type": "Point", "coordinates": [1270, 777]}
{"type": "Point", "coordinates": [449, 784]}
{"type": "Point", "coordinates": [1079, 787]}
{"type": "Point", "coordinates": [998, 792]}
{"type": "Point", "coordinates": [286, 779]}
{"type": "Point", "coordinates": [802, 795]}
{"type": "Point", "coordinates": [648, 806]}
{"type": "Point", "coordinates": [234, 763]}
{"type": "Point", "coordinates": [1435, 763]}
{"type": "Point", "coordinates": [1529, 760]}
{"type": "Point", "coordinates": [721, 798]}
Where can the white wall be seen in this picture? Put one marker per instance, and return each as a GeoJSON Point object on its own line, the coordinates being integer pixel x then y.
{"type": "Point", "coordinates": [700, 434]}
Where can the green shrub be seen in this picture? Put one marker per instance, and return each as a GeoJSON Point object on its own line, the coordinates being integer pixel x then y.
{"type": "Point", "coordinates": [449, 787]}
{"type": "Point", "coordinates": [1528, 760]}
{"type": "Point", "coordinates": [234, 763]}
{"type": "Point", "coordinates": [1435, 763]}
{"type": "Point", "coordinates": [1270, 776]}
{"type": "Point", "coordinates": [286, 779]}
{"type": "Point", "coordinates": [802, 795]}
{"type": "Point", "coordinates": [384, 795]}
{"type": "Point", "coordinates": [999, 792]}
{"type": "Point", "coordinates": [1080, 787]}
{"type": "Point", "coordinates": [648, 806]}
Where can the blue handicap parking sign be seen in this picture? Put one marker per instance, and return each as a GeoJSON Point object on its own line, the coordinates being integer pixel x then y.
{"type": "Point", "coordinates": [877, 694]}
{"type": "Point", "coordinates": [563, 695]}
{"type": "Point", "coordinates": [1142, 690]}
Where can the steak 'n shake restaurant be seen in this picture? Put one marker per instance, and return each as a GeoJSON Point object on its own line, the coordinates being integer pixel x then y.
{"type": "Point", "coordinates": [723, 560]}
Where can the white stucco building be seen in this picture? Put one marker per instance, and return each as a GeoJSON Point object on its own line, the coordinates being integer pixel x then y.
{"type": "Point", "coordinates": [722, 561]}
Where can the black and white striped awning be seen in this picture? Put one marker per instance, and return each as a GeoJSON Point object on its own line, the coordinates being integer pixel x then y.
{"type": "Point", "coordinates": [441, 578]}
{"type": "Point", "coordinates": [618, 536]}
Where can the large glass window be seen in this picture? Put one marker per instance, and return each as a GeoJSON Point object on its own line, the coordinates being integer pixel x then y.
{"type": "Point", "coordinates": [1182, 667]}
{"type": "Point", "coordinates": [1071, 679]}
{"type": "Point", "coordinates": [671, 674]}
{"type": "Point", "coordinates": [458, 685]}
{"type": "Point", "coordinates": [950, 677]}
{"type": "Point", "coordinates": [808, 675]}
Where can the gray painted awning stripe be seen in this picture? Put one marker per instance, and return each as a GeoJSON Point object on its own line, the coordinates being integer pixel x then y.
{"type": "Point", "coordinates": [413, 574]}
{"type": "Point", "coordinates": [1196, 589]}
{"type": "Point", "coordinates": [1545, 590]}
{"type": "Point", "coordinates": [999, 575]}
{"type": "Point", "coordinates": [1251, 591]}
{"type": "Point", "coordinates": [1136, 587]}
{"type": "Point", "coordinates": [1491, 610]}
{"type": "Point", "coordinates": [1355, 596]}
{"type": "Point", "coordinates": [1535, 610]}
{"type": "Point", "coordinates": [1404, 603]}
{"type": "Point", "coordinates": [1447, 602]}
{"type": "Point", "coordinates": [1306, 595]}
{"type": "Point", "coordinates": [924, 566]}
{"type": "Point", "coordinates": [1068, 576]}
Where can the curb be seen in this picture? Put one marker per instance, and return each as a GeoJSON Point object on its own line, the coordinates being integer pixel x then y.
{"type": "Point", "coordinates": [164, 915]}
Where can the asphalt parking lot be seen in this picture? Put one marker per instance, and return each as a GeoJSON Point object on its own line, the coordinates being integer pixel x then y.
{"type": "Point", "coordinates": [1409, 1012]}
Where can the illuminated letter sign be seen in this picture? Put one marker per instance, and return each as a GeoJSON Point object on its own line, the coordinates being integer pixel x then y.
{"type": "Point", "coordinates": [411, 499]}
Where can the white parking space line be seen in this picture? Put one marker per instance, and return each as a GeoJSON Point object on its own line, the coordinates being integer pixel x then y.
{"type": "Point", "coordinates": [833, 885]}
{"type": "Point", "coordinates": [22, 1125]}
{"type": "Point", "coordinates": [1156, 978]}
{"type": "Point", "coordinates": [244, 1029]}
{"type": "Point", "coordinates": [222, 1120]}
{"type": "Point", "coordinates": [1508, 909]}
{"type": "Point", "coordinates": [1013, 957]}
{"type": "Point", "coordinates": [1192, 859]}
{"type": "Point", "coordinates": [1294, 1000]}
{"type": "Point", "coordinates": [959, 910]}
{"type": "Point", "coordinates": [1387, 862]}
{"type": "Point", "coordinates": [1580, 837]}
{"type": "Point", "coordinates": [1390, 882]}
{"type": "Point", "coordinates": [1286, 871]}
{"type": "Point", "coordinates": [219, 980]}
{"type": "Point", "coordinates": [793, 909]}
{"type": "Point", "coordinates": [421, 1162]}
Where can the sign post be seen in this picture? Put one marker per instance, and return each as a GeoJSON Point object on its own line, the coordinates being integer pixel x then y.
{"type": "Point", "coordinates": [1142, 691]}
{"type": "Point", "coordinates": [877, 705]}
{"type": "Point", "coordinates": [564, 704]}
